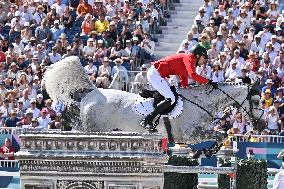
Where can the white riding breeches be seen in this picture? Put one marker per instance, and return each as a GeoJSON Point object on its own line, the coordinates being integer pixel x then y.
{"type": "Point", "coordinates": [160, 84]}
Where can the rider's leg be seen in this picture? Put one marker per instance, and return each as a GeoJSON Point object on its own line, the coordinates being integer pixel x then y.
{"type": "Point", "coordinates": [161, 85]}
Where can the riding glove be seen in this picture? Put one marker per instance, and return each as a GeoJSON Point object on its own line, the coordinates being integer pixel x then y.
{"type": "Point", "coordinates": [213, 84]}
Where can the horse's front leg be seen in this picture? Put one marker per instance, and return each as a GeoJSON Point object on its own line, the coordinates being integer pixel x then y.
{"type": "Point", "coordinates": [168, 127]}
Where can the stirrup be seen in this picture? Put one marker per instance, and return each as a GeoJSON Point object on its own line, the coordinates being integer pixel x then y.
{"type": "Point", "coordinates": [153, 130]}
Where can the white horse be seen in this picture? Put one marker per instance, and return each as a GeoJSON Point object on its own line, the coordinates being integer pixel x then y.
{"type": "Point", "coordinates": [102, 110]}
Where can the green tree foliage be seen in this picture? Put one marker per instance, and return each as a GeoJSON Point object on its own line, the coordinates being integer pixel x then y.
{"type": "Point", "coordinates": [181, 180]}
{"type": "Point", "coordinates": [251, 174]}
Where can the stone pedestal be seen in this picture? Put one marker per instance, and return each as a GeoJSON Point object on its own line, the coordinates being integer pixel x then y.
{"type": "Point", "coordinates": [70, 160]}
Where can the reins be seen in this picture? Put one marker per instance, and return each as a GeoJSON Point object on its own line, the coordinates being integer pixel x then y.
{"type": "Point", "coordinates": [240, 105]}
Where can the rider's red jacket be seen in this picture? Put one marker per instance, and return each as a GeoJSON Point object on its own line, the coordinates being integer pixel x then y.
{"type": "Point", "coordinates": [182, 65]}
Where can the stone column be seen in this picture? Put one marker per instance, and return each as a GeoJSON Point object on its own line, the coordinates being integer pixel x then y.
{"type": "Point", "coordinates": [72, 160]}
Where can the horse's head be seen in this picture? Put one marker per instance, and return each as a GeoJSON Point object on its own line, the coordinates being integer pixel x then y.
{"type": "Point", "coordinates": [67, 81]}
{"type": "Point", "coordinates": [242, 96]}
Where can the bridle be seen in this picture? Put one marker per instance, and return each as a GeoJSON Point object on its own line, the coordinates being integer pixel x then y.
{"type": "Point", "coordinates": [250, 93]}
{"type": "Point", "coordinates": [240, 105]}
{"type": "Point", "coordinates": [208, 152]}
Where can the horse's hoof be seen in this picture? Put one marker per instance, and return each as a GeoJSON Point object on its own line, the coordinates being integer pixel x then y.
{"type": "Point", "coordinates": [146, 124]}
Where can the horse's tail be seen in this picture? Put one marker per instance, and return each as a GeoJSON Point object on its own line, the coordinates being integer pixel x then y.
{"type": "Point", "coordinates": [66, 79]}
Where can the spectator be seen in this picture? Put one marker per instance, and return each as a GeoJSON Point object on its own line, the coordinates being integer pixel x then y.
{"type": "Point", "coordinates": [269, 85]}
{"type": "Point", "coordinates": [84, 8]}
{"type": "Point", "coordinates": [233, 72]}
{"type": "Point", "coordinates": [104, 73]}
{"type": "Point", "coordinates": [99, 9]}
{"type": "Point", "coordinates": [191, 42]}
{"type": "Point", "coordinates": [89, 50]}
{"type": "Point", "coordinates": [66, 19]}
{"type": "Point", "coordinates": [7, 150]}
{"type": "Point", "coordinates": [267, 98]}
{"type": "Point", "coordinates": [43, 32]}
{"type": "Point", "coordinates": [119, 74]}
{"type": "Point", "coordinates": [217, 74]}
{"type": "Point", "coordinates": [27, 119]}
{"type": "Point", "coordinates": [204, 70]}
{"type": "Point", "coordinates": [54, 56]}
{"type": "Point", "coordinates": [68, 53]}
{"type": "Point", "coordinates": [213, 52]}
{"type": "Point", "coordinates": [48, 107]}
{"type": "Point", "coordinates": [223, 125]}
{"type": "Point", "coordinates": [12, 120]}
{"type": "Point", "coordinates": [90, 68]}
{"type": "Point", "coordinates": [240, 125]}
{"type": "Point", "coordinates": [184, 48]}
{"type": "Point", "coordinates": [101, 24]}
{"type": "Point", "coordinates": [243, 52]}
{"type": "Point", "coordinates": [56, 31]}
{"type": "Point", "coordinates": [34, 109]}
{"type": "Point", "coordinates": [147, 48]}
{"type": "Point", "coordinates": [39, 15]}
{"type": "Point", "coordinates": [278, 61]}
{"type": "Point", "coordinates": [238, 59]}
{"type": "Point", "coordinates": [272, 119]}
{"type": "Point", "coordinates": [111, 9]}
{"type": "Point", "coordinates": [253, 62]}
{"type": "Point", "coordinates": [52, 16]}
{"type": "Point", "coordinates": [87, 25]}
{"type": "Point", "coordinates": [257, 45]}
{"type": "Point", "coordinates": [77, 48]}
{"type": "Point", "coordinates": [100, 52]}
{"type": "Point", "coordinates": [43, 120]}
{"type": "Point", "coordinates": [34, 125]}
{"type": "Point", "coordinates": [59, 7]}
{"type": "Point", "coordinates": [116, 51]}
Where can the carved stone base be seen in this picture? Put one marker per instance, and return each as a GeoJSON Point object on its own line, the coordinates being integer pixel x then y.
{"type": "Point", "coordinates": [71, 160]}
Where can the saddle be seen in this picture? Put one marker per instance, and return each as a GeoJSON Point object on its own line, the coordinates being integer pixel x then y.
{"type": "Point", "coordinates": [159, 98]}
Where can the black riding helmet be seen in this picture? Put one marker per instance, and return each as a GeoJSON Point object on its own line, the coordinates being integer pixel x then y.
{"type": "Point", "coordinates": [199, 50]}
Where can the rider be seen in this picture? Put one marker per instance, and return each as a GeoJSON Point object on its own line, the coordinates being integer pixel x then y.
{"type": "Point", "coordinates": [182, 65]}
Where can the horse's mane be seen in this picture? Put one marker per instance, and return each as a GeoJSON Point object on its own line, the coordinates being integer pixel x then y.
{"type": "Point", "coordinates": [234, 84]}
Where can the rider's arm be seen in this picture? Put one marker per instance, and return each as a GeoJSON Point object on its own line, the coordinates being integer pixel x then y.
{"type": "Point", "coordinates": [190, 67]}
{"type": "Point", "coordinates": [183, 80]}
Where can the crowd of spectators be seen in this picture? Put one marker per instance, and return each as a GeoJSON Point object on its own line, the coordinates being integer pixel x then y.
{"type": "Point", "coordinates": [244, 39]}
{"type": "Point", "coordinates": [110, 37]}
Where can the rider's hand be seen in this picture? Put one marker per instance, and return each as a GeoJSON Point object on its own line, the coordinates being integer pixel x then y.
{"type": "Point", "coordinates": [213, 84]}
{"type": "Point", "coordinates": [184, 86]}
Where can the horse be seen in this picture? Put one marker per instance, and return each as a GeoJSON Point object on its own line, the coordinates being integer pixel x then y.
{"type": "Point", "coordinates": [93, 109]}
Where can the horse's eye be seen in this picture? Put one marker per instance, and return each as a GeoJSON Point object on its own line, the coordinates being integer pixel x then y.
{"type": "Point", "coordinates": [256, 102]}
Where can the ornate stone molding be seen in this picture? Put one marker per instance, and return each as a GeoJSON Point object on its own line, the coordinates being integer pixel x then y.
{"type": "Point", "coordinates": [116, 142]}
{"type": "Point", "coordinates": [68, 184]}
{"type": "Point", "coordinates": [71, 160]}
{"type": "Point", "coordinates": [84, 167]}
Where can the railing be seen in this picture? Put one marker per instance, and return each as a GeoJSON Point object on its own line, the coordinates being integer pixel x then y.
{"type": "Point", "coordinates": [11, 130]}
{"type": "Point", "coordinates": [6, 164]}
{"type": "Point", "coordinates": [9, 163]}
{"type": "Point", "coordinates": [257, 138]}
{"type": "Point", "coordinates": [128, 84]}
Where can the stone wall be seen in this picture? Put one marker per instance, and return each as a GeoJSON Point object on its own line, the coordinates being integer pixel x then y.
{"type": "Point", "coordinates": [71, 160]}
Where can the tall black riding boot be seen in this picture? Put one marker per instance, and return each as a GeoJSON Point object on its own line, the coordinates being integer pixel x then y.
{"type": "Point", "coordinates": [147, 122]}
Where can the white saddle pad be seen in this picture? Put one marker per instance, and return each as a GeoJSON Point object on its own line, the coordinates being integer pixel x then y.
{"type": "Point", "coordinates": [144, 106]}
